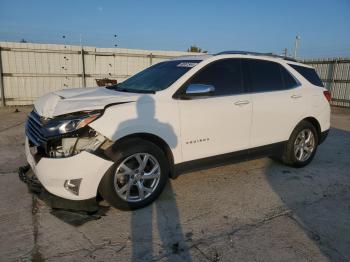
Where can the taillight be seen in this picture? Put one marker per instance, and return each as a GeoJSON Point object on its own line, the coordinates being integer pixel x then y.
{"type": "Point", "coordinates": [327, 95]}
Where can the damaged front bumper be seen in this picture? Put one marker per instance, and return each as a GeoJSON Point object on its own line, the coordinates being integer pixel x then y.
{"type": "Point", "coordinates": [75, 177]}
{"type": "Point", "coordinates": [27, 176]}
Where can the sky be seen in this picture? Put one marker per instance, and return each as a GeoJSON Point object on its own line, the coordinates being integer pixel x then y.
{"type": "Point", "coordinates": [217, 25]}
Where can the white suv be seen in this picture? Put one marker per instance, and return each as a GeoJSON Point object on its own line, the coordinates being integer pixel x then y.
{"type": "Point", "coordinates": [123, 142]}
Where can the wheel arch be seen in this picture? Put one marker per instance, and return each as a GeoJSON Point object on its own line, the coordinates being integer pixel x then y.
{"type": "Point", "coordinates": [315, 123]}
{"type": "Point", "coordinates": [155, 140]}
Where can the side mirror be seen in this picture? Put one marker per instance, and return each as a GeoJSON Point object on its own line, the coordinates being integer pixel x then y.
{"type": "Point", "coordinates": [200, 90]}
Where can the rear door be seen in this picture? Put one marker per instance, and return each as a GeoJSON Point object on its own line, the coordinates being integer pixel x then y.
{"type": "Point", "coordinates": [221, 123]}
{"type": "Point", "coordinates": [278, 101]}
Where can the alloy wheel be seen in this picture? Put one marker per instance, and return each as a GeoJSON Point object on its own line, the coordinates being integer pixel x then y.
{"type": "Point", "coordinates": [137, 177]}
{"type": "Point", "coordinates": [304, 145]}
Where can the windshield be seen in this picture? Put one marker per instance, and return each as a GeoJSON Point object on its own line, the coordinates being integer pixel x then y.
{"type": "Point", "coordinates": [157, 77]}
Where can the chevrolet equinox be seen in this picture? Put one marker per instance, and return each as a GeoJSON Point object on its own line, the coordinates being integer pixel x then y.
{"type": "Point", "coordinates": [122, 142]}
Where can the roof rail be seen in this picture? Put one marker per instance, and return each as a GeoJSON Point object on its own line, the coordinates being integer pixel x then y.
{"type": "Point", "coordinates": [257, 54]}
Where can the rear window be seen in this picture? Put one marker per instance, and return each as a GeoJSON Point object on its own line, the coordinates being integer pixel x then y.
{"type": "Point", "coordinates": [309, 73]}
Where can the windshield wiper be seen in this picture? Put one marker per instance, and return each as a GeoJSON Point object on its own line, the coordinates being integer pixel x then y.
{"type": "Point", "coordinates": [121, 89]}
{"type": "Point", "coordinates": [141, 91]}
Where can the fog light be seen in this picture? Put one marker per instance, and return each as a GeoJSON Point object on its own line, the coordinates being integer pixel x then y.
{"type": "Point", "coordinates": [73, 185]}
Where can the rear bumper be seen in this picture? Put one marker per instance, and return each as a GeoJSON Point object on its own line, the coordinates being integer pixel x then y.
{"type": "Point", "coordinates": [323, 136]}
{"type": "Point", "coordinates": [52, 173]}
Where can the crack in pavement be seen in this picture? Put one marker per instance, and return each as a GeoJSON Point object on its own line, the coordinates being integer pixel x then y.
{"type": "Point", "coordinates": [36, 255]}
{"type": "Point", "coordinates": [11, 172]}
{"type": "Point", "coordinates": [202, 253]}
{"type": "Point", "coordinates": [90, 252]}
{"type": "Point", "coordinates": [286, 212]}
{"type": "Point", "coordinates": [10, 127]}
{"type": "Point", "coordinates": [320, 239]}
{"type": "Point", "coordinates": [118, 247]}
{"type": "Point", "coordinates": [211, 239]}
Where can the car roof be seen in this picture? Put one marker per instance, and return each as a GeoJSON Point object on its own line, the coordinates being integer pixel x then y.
{"type": "Point", "coordinates": [257, 55]}
{"type": "Point", "coordinates": [193, 57]}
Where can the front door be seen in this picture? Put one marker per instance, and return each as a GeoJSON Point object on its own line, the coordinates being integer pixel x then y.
{"type": "Point", "coordinates": [220, 123]}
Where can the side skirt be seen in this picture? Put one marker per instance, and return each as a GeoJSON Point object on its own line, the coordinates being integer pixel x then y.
{"type": "Point", "coordinates": [275, 149]}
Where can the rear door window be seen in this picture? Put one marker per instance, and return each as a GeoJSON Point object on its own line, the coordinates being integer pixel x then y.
{"type": "Point", "coordinates": [308, 73]}
{"type": "Point", "coordinates": [267, 76]}
{"type": "Point", "coordinates": [288, 79]}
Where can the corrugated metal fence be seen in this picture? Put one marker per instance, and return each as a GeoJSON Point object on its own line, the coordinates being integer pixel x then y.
{"type": "Point", "coordinates": [28, 71]}
{"type": "Point", "coordinates": [335, 74]}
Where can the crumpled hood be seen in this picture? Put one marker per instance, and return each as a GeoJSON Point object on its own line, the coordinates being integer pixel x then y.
{"type": "Point", "coordinates": [79, 99]}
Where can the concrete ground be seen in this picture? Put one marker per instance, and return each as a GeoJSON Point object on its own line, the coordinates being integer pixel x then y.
{"type": "Point", "coordinates": [255, 210]}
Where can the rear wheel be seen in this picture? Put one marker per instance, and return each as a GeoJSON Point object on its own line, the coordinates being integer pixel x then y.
{"type": "Point", "coordinates": [301, 146]}
{"type": "Point", "coordinates": [138, 176]}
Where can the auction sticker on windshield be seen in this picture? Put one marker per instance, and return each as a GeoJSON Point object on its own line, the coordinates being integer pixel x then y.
{"type": "Point", "coordinates": [187, 64]}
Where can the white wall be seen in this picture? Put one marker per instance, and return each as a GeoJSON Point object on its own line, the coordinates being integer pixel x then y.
{"type": "Point", "coordinates": [31, 70]}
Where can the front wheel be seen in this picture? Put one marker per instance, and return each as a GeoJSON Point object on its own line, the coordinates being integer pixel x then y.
{"type": "Point", "coordinates": [137, 177]}
{"type": "Point", "coordinates": [301, 146]}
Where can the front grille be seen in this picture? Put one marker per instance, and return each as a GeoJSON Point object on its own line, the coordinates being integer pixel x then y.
{"type": "Point", "coordinates": [34, 130]}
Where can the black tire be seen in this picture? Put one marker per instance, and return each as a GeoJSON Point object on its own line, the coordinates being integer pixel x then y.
{"type": "Point", "coordinates": [288, 156]}
{"type": "Point", "coordinates": [121, 152]}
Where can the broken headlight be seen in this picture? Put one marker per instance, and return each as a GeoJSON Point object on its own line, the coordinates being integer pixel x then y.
{"type": "Point", "coordinates": [72, 122]}
{"type": "Point", "coordinates": [74, 145]}
{"type": "Point", "coordinates": [68, 135]}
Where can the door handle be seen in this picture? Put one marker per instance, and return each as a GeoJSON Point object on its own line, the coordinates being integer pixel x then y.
{"type": "Point", "coordinates": [242, 102]}
{"type": "Point", "coordinates": [296, 96]}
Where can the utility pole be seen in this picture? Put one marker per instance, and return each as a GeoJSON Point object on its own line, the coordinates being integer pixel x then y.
{"type": "Point", "coordinates": [64, 40]}
{"type": "Point", "coordinates": [82, 61]}
{"type": "Point", "coordinates": [2, 89]}
{"type": "Point", "coordinates": [296, 46]}
{"type": "Point", "coordinates": [285, 52]}
{"type": "Point", "coordinates": [115, 43]}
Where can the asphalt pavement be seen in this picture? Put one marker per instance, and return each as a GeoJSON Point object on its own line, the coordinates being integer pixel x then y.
{"type": "Point", "coordinates": [257, 210]}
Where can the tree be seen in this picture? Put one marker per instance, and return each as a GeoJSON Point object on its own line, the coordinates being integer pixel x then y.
{"type": "Point", "coordinates": [23, 40]}
{"type": "Point", "coordinates": [196, 49]}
